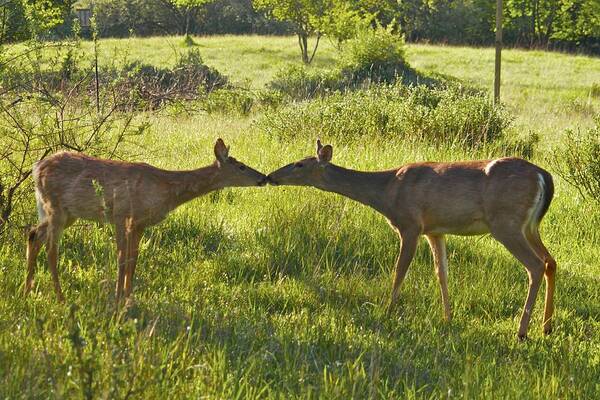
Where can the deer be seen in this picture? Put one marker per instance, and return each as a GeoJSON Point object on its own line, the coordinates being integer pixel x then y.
{"type": "Point", "coordinates": [130, 196]}
{"type": "Point", "coordinates": [505, 197]}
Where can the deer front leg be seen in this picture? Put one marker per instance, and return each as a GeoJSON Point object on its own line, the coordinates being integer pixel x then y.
{"type": "Point", "coordinates": [52, 248]}
{"type": "Point", "coordinates": [133, 244]}
{"type": "Point", "coordinates": [438, 249]}
{"type": "Point", "coordinates": [121, 259]}
{"type": "Point", "coordinates": [36, 238]}
{"type": "Point", "coordinates": [407, 251]}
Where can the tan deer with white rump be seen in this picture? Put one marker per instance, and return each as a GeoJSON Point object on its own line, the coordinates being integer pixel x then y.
{"type": "Point", "coordinates": [506, 197]}
{"type": "Point", "coordinates": [131, 196]}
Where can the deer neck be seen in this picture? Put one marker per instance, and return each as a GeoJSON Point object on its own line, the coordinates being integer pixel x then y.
{"type": "Point", "coordinates": [365, 187]}
{"type": "Point", "coordinates": [191, 184]}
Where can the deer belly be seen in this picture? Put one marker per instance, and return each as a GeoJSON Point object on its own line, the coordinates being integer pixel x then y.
{"type": "Point", "coordinates": [475, 227]}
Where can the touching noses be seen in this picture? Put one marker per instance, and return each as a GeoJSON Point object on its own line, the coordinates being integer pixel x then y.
{"type": "Point", "coordinates": [264, 180]}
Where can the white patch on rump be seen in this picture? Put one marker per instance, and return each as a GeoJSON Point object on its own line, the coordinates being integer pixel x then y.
{"type": "Point", "coordinates": [40, 205]}
{"type": "Point", "coordinates": [488, 167]}
{"type": "Point", "coordinates": [533, 214]}
{"type": "Point", "coordinates": [38, 196]}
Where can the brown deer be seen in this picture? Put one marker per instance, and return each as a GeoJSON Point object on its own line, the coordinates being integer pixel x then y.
{"type": "Point", "coordinates": [131, 196]}
{"type": "Point", "coordinates": [506, 197]}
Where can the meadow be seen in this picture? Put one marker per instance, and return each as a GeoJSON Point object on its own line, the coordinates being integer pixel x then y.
{"type": "Point", "coordinates": [280, 292]}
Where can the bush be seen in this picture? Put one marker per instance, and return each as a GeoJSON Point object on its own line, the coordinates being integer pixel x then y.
{"type": "Point", "coordinates": [229, 101]}
{"type": "Point", "coordinates": [578, 161]}
{"type": "Point", "coordinates": [374, 54]}
{"type": "Point", "coordinates": [152, 86]}
{"type": "Point", "coordinates": [450, 116]}
{"type": "Point", "coordinates": [301, 83]}
{"type": "Point", "coordinates": [595, 90]}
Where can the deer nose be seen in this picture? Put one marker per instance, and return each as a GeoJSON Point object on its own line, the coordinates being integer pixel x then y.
{"type": "Point", "coordinates": [264, 181]}
{"type": "Point", "coordinates": [271, 180]}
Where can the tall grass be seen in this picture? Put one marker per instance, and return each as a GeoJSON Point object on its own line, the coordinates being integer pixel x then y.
{"type": "Point", "coordinates": [450, 116]}
{"type": "Point", "coordinates": [280, 292]}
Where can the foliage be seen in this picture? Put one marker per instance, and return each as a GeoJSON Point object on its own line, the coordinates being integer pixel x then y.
{"type": "Point", "coordinates": [39, 116]}
{"type": "Point", "coordinates": [568, 24]}
{"type": "Point", "coordinates": [306, 16]}
{"type": "Point", "coordinates": [456, 22]}
{"type": "Point", "coordinates": [157, 17]}
{"type": "Point", "coordinates": [452, 116]}
{"type": "Point", "coordinates": [120, 18]}
{"type": "Point", "coordinates": [561, 24]}
{"type": "Point", "coordinates": [301, 83]}
{"type": "Point", "coordinates": [23, 19]}
{"type": "Point", "coordinates": [344, 21]}
{"type": "Point", "coordinates": [595, 90]}
{"type": "Point", "coordinates": [239, 17]}
{"type": "Point", "coordinates": [229, 101]}
{"type": "Point", "coordinates": [151, 86]}
{"type": "Point", "coordinates": [189, 8]}
{"type": "Point", "coordinates": [540, 22]}
{"type": "Point", "coordinates": [375, 54]}
{"type": "Point", "coordinates": [577, 161]}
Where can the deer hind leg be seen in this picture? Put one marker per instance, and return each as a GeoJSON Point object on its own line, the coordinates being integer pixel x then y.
{"type": "Point", "coordinates": [133, 243]}
{"type": "Point", "coordinates": [36, 238]}
{"type": "Point", "coordinates": [438, 249]}
{"type": "Point", "coordinates": [407, 252]}
{"type": "Point", "coordinates": [517, 243]}
{"type": "Point", "coordinates": [533, 236]}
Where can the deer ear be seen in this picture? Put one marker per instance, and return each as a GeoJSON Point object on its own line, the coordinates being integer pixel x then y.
{"type": "Point", "coordinates": [319, 146]}
{"type": "Point", "coordinates": [221, 151]}
{"type": "Point", "coordinates": [325, 153]}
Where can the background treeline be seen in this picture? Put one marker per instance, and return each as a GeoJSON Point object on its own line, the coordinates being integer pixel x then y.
{"type": "Point", "coordinates": [558, 24]}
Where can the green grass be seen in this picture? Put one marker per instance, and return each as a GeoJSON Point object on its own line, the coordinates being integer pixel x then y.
{"type": "Point", "coordinates": [280, 292]}
{"type": "Point", "coordinates": [546, 91]}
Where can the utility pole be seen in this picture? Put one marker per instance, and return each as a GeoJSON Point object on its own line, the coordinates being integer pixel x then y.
{"type": "Point", "coordinates": [498, 51]}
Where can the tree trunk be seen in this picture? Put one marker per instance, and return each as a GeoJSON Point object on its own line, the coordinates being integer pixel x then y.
{"type": "Point", "coordinates": [498, 51]}
{"type": "Point", "coordinates": [315, 49]}
{"type": "Point", "coordinates": [534, 12]}
{"type": "Point", "coordinates": [303, 42]}
{"type": "Point", "coordinates": [187, 21]}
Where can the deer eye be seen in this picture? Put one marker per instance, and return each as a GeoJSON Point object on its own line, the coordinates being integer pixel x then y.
{"type": "Point", "coordinates": [298, 165]}
{"type": "Point", "coordinates": [242, 167]}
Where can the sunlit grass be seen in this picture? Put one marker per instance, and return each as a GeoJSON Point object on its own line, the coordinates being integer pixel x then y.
{"type": "Point", "coordinates": [279, 292]}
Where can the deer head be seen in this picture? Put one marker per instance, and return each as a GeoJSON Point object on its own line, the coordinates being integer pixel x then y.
{"type": "Point", "coordinates": [232, 172]}
{"type": "Point", "coordinates": [306, 172]}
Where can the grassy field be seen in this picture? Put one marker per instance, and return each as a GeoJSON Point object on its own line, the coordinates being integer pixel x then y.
{"type": "Point", "coordinates": [547, 91]}
{"type": "Point", "coordinates": [280, 292]}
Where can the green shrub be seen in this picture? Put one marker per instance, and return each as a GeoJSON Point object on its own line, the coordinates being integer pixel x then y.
{"type": "Point", "coordinates": [450, 116]}
{"type": "Point", "coordinates": [152, 86]}
{"type": "Point", "coordinates": [577, 161]}
{"type": "Point", "coordinates": [374, 54]}
{"type": "Point", "coordinates": [229, 101]}
{"type": "Point", "coordinates": [595, 90]}
{"type": "Point", "coordinates": [344, 21]}
{"type": "Point", "coordinates": [301, 83]}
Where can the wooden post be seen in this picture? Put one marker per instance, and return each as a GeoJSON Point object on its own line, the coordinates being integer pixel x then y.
{"type": "Point", "coordinates": [498, 51]}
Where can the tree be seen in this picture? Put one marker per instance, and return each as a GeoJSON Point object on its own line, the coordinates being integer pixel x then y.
{"type": "Point", "coordinates": [306, 16]}
{"type": "Point", "coordinates": [189, 8]}
{"type": "Point", "coordinates": [344, 20]}
{"type": "Point", "coordinates": [23, 19]}
{"type": "Point", "coordinates": [498, 61]}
